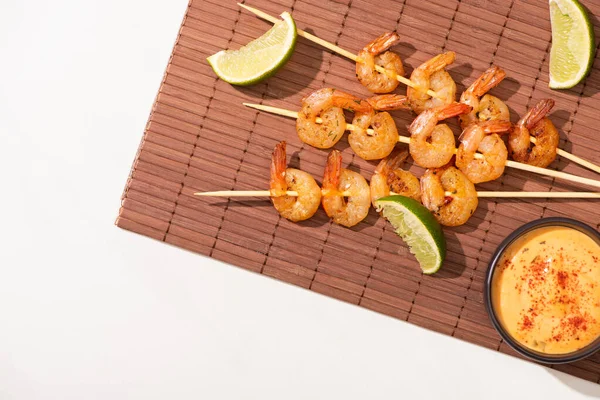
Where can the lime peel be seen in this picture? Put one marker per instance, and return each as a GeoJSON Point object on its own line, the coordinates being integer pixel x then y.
{"type": "Point", "coordinates": [418, 228]}
{"type": "Point", "coordinates": [260, 58]}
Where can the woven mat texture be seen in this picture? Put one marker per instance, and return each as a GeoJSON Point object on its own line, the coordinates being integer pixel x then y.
{"type": "Point", "coordinates": [199, 137]}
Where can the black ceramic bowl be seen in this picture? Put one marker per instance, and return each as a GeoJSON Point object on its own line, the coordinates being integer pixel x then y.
{"type": "Point", "coordinates": [527, 352]}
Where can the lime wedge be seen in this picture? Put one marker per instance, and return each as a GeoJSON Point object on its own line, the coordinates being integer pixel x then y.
{"type": "Point", "coordinates": [572, 52]}
{"type": "Point", "coordinates": [260, 58]}
{"type": "Point", "coordinates": [418, 228]}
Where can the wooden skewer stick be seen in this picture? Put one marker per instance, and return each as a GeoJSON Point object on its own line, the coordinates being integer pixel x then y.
{"type": "Point", "coordinates": [332, 47]}
{"type": "Point", "coordinates": [242, 193]}
{"type": "Point", "coordinates": [548, 195]}
{"type": "Point", "coordinates": [405, 139]}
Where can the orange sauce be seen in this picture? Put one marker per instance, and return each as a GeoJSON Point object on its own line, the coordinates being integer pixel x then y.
{"type": "Point", "coordinates": [546, 290]}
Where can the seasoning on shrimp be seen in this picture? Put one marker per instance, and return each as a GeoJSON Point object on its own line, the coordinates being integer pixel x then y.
{"type": "Point", "coordinates": [383, 139]}
{"type": "Point", "coordinates": [432, 75]}
{"type": "Point", "coordinates": [346, 195]}
{"type": "Point", "coordinates": [488, 107]}
{"type": "Point", "coordinates": [452, 210]}
{"type": "Point", "coordinates": [534, 123]}
{"type": "Point", "coordinates": [329, 105]}
{"type": "Point", "coordinates": [432, 145]}
{"type": "Point", "coordinates": [375, 54]}
{"type": "Point", "coordinates": [294, 208]}
{"type": "Point", "coordinates": [482, 137]}
{"type": "Point", "coordinates": [390, 177]}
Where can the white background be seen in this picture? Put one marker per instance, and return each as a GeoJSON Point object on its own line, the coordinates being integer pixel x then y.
{"type": "Point", "coordinates": [88, 311]}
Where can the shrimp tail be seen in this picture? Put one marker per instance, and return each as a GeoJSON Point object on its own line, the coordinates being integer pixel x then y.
{"type": "Point", "coordinates": [383, 43]}
{"type": "Point", "coordinates": [278, 185]}
{"type": "Point", "coordinates": [333, 171]}
{"type": "Point", "coordinates": [538, 112]}
{"type": "Point", "coordinates": [440, 62]}
{"type": "Point", "coordinates": [350, 102]}
{"type": "Point", "coordinates": [490, 79]}
{"type": "Point", "coordinates": [452, 110]}
{"type": "Point", "coordinates": [388, 102]}
{"type": "Point", "coordinates": [495, 126]}
{"type": "Point", "coordinates": [427, 120]}
{"type": "Point", "coordinates": [392, 162]}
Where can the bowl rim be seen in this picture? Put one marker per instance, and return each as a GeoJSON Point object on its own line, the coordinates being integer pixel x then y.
{"type": "Point", "coordinates": [514, 344]}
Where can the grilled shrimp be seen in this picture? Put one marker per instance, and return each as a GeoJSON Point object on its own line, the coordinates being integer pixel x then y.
{"type": "Point", "coordinates": [534, 123]}
{"type": "Point", "coordinates": [375, 54]}
{"type": "Point", "coordinates": [488, 107]}
{"type": "Point", "coordinates": [432, 75]}
{"type": "Point", "coordinates": [328, 104]}
{"type": "Point", "coordinates": [432, 145]}
{"type": "Point", "coordinates": [299, 208]}
{"type": "Point", "coordinates": [452, 210]}
{"type": "Point", "coordinates": [390, 178]}
{"type": "Point", "coordinates": [381, 142]}
{"type": "Point", "coordinates": [346, 195]}
{"type": "Point", "coordinates": [483, 137]}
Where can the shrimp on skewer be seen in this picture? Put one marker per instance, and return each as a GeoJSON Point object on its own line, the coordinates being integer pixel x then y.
{"type": "Point", "coordinates": [375, 54]}
{"type": "Point", "coordinates": [389, 177]}
{"type": "Point", "coordinates": [483, 137]}
{"type": "Point", "coordinates": [534, 123]}
{"type": "Point", "coordinates": [339, 182]}
{"type": "Point", "coordinates": [488, 107]}
{"type": "Point", "coordinates": [432, 75]}
{"type": "Point", "coordinates": [432, 145]}
{"type": "Point", "coordinates": [382, 141]}
{"type": "Point", "coordinates": [451, 210]}
{"type": "Point", "coordinates": [299, 208]}
{"type": "Point", "coordinates": [328, 104]}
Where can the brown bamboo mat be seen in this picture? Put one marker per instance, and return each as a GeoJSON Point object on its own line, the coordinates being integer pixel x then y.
{"type": "Point", "coordinates": [199, 137]}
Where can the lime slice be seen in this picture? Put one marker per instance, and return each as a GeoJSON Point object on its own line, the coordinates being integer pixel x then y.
{"type": "Point", "coordinates": [572, 52]}
{"type": "Point", "coordinates": [260, 58]}
{"type": "Point", "coordinates": [418, 228]}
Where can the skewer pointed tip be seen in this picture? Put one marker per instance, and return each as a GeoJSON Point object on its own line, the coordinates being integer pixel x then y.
{"type": "Point", "coordinates": [259, 13]}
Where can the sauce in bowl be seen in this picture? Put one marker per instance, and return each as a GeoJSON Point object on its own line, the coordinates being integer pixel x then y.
{"type": "Point", "coordinates": [545, 290]}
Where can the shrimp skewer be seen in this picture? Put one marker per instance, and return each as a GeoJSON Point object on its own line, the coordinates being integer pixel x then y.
{"type": "Point", "coordinates": [485, 107]}
{"type": "Point", "coordinates": [346, 196]}
{"type": "Point", "coordinates": [346, 210]}
{"type": "Point", "coordinates": [388, 179]}
{"type": "Point", "coordinates": [506, 195]}
{"type": "Point", "coordinates": [375, 53]}
{"type": "Point", "coordinates": [332, 47]}
{"type": "Point", "coordinates": [407, 140]}
{"type": "Point", "coordinates": [295, 208]}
